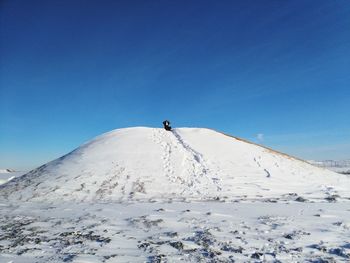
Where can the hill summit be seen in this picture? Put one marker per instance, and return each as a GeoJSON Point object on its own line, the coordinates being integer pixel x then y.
{"type": "Point", "coordinates": [186, 163]}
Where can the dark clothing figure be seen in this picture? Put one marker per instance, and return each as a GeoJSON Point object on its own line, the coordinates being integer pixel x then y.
{"type": "Point", "coordinates": [167, 126]}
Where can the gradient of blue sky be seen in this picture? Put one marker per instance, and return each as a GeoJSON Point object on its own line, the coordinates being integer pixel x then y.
{"type": "Point", "coordinates": [71, 70]}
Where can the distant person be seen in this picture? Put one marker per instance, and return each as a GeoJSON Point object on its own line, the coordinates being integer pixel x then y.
{"type": "Point", "coordinates": [167, 126]}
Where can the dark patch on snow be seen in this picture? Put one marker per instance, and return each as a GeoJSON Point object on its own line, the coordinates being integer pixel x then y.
{"type": "Point", "coordinates": [300, 199]}
{"type": "Point", "coordinates": [339, 252]}
{"type": "Point", "coordinates": [177, 244]}
{"type": "Point", "coordinates": [332, 198]}
{"type": "Point", "coordinates": [256, 255]}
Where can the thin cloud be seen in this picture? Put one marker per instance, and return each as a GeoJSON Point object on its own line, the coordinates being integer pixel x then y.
{"type": "Point", "coordinates": [260, 137]}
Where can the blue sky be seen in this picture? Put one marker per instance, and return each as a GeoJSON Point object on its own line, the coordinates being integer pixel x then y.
{"type": "Point", "coordinates": [274, 72]}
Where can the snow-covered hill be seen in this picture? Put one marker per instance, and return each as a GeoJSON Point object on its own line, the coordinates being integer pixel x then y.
{"type": "Point", "coordinates": [188, 163]}
{"type": "Point", "coordinates": [7, 175]}
{"type": "Point", "coordinates": [182, 180]}
{"type": "Point", "coordinates": [5, 171]}
{"type": "Point", "coordinates": [338, 166]}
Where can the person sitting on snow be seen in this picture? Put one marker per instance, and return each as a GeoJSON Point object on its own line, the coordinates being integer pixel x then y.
{"type": "Point", "coordinates": [167, 126]}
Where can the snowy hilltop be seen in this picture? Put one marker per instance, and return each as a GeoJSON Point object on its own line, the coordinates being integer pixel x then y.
{"type": "Point", "coordinates": [184, 164]}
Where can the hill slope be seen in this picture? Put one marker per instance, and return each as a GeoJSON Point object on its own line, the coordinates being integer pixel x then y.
{"type": "Point", "coordinates": [187, 163]}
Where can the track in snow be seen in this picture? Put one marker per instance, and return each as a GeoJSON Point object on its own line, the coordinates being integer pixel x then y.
{"type": "Point", "coordinates": [195, 161]}
{"type": "Point", "coordinates": [194, 168]}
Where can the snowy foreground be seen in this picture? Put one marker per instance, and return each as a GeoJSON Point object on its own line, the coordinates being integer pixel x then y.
{"type": "Point", "coordinates": [176, 232]}
{"type": "Point", "coordinates": [191, 195]}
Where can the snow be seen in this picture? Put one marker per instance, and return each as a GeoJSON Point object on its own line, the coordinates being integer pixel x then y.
{"type": "Point", "coordinates": [5, 171]}
{"type": "Point", "coordinates": [190, 195]}
{"type": "Point", "coordinates": [187, 164]}
{"type": "Point", "coordinates": [8, 174]}
{"type": "Point", "coordinates": [175, 232]}
{"type": "Point", "coordinates": [338, 166]}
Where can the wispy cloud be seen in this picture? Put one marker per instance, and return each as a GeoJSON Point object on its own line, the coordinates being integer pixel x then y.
{"type": "Point", "coordinates": [260, 137]}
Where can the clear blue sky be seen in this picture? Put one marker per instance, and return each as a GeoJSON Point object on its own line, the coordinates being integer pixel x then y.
{"type": "Point", "coordinates": [274, 72]}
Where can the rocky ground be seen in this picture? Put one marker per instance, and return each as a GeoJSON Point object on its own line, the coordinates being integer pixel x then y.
{"type": "Point", "coordinates": [176, 232]}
